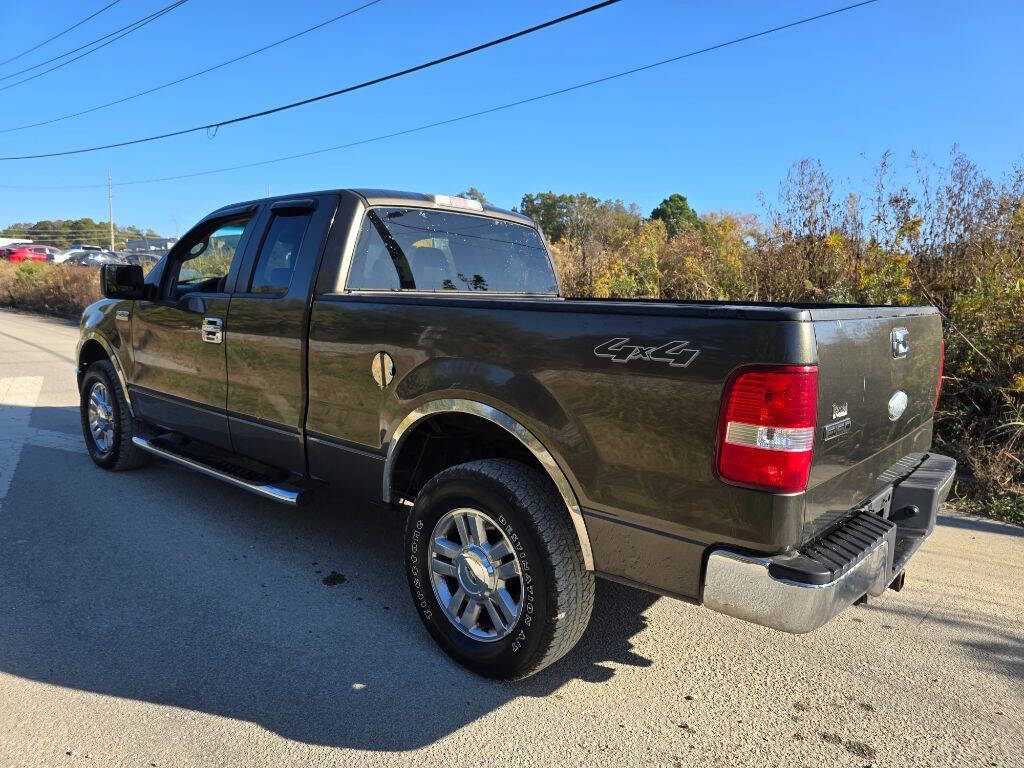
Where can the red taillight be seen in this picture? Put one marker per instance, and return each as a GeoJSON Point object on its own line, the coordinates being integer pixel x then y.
{"type": "Point", "coordinates": [942, 364]}
{"type": "Point", "coordinates": [766, 427]}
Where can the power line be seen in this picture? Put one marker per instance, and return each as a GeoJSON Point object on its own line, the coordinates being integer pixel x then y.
{"type": "Point", "coordinates": [53, 232]}
{"type": "Point", "coordinates": [479, 113]}
{"type": "Point", "coordinates": [329, 94]}
{"type": "Point", "coordinates": [194, 74]}
{"type": "Point", "coordinates": [62, 32]}
{"type": "Point", "coordinates": [114, 37]}
{"type": "Point", "coordinates": [79, 48]}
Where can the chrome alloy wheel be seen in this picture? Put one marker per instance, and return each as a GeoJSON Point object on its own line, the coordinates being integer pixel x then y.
{"type": "Point", "coordinates": [101, 417]}
{"type": "Point", "coordinates": [475, 574]}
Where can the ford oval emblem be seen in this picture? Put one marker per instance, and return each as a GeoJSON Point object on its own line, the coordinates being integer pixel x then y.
{"type": "Point", "coordinates": [897, 404]}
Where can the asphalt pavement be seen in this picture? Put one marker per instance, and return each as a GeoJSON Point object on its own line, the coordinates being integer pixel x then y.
{"type": "Point", "coordinates": [161, 618]}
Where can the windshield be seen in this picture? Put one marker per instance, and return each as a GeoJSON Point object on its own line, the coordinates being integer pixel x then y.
{"type": "Point", "coordinates": [430, 250]}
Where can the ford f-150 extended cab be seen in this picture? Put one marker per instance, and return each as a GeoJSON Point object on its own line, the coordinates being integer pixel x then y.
{"type": "Point", "coordinates": [769, 461]}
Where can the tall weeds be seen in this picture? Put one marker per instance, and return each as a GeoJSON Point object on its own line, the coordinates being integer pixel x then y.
{"type": "Point", "coordinates": [48, 287]}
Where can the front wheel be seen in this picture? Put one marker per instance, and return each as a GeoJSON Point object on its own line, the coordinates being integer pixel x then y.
{"type": "Point", "coordinates": [495, 569]}
{"type": "Point", "coordinates": [107, 423]}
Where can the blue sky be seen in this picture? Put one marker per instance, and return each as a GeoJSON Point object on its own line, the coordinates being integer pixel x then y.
{"type": "Point", "coordinates": [719, 128]}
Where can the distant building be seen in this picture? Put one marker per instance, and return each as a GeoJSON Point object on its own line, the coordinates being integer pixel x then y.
{"type": "Point", "coordinates": [150, 244]}
{"type": "Point", "coordinates": [4, 241]}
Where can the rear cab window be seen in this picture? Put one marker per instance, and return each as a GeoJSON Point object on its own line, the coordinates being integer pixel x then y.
{"type": "Point", "coordinates": [279, 252]}
{"type": "Point", "coordinates": [417, 249]}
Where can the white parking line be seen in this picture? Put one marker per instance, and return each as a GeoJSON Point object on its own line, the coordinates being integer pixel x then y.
{"type": "Point", "coordinates": [18, 396]}
{"type": "Point", "coordinates": [48, 438]}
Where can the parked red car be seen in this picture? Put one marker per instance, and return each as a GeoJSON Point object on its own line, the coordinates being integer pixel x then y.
{"type": "Point", "coordinates": [29, 253]}
{"type": "Point", "coordinates": [6, 250]}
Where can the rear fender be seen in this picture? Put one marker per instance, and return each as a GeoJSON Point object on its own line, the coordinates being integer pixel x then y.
{"type": "Point", "coordinates": [451, 385]}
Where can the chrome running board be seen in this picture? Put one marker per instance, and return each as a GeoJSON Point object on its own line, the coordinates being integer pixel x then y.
{"type": "Point", "coordinates": [282, 493]}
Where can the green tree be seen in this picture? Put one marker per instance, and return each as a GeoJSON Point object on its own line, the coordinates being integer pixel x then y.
{"type": "Point", "coordinates": [475, 194]}
{"type": "Point", "coordinates": [63, 232]}
{"type": "Point", "coordinates": [549, 210]}
{"type": "Point", "coordinates": [677, 214]}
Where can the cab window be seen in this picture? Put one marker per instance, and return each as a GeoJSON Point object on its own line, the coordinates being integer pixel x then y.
{"type": "Point", "coordinates": [205, 265]}
{"type": "Point", "coordinates": [279, 252]}
{"type": "Point", "coordinates": [417, 249]}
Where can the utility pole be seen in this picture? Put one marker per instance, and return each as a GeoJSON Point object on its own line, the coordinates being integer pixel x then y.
{"type": "Point", "coordinates": [110, 208]}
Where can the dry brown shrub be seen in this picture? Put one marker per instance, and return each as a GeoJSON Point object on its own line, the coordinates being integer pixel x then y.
{"type": "Point", "coordinates": [44, 287]}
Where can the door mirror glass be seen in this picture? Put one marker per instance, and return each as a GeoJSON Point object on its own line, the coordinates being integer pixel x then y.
{"type": "Point", "coordinates": [122, 281]}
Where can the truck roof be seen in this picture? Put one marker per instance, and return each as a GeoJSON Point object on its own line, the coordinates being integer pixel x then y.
{"type": "Point", "coordinates": [396, 197]}
{"type": "Point", "coordinates": [392, 197]}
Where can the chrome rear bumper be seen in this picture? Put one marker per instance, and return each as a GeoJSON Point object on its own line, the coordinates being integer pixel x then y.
{"type": "Point", "coordinates": [798, 592]}
{"type": "Point", "coordinates": [740, 585]}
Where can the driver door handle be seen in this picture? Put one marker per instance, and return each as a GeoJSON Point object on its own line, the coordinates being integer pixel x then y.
{"type": "Point", "coordinates": [213, 330]}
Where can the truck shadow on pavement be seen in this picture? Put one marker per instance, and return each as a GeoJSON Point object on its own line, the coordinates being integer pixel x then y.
{"type": "Point", "coordinates": [163, 586]}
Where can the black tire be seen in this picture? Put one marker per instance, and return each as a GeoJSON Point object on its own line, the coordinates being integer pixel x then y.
{"type": "Point", "coordinates": [123, 453]}
{"type": "Point", "coordinates": [557, 592]}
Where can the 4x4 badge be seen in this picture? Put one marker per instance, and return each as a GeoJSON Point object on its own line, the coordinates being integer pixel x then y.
{"type": "Point", "coordinates": [677, 354]}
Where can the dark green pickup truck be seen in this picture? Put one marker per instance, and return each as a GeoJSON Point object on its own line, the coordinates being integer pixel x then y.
{"type": "Point", "coordinates": [769, 461]}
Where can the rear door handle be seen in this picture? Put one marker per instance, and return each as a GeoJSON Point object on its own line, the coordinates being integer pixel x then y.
{"type": "Point", "coordinates": [213, 330]}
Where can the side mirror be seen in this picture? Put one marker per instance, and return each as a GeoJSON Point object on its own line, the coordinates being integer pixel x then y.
{"type": "Point", "coordinates": [123, 281]}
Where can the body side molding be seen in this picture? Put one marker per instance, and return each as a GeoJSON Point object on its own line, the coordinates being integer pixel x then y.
{"type": "Point", "coordinates": [510, 425]}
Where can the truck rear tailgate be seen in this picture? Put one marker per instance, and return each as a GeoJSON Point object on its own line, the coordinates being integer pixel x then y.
{"type": "Point", "coordinates": [878, 377]}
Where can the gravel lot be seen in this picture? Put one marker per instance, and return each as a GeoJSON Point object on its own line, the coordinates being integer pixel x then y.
{"type": "Point", "coordinates": [161, 618]}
